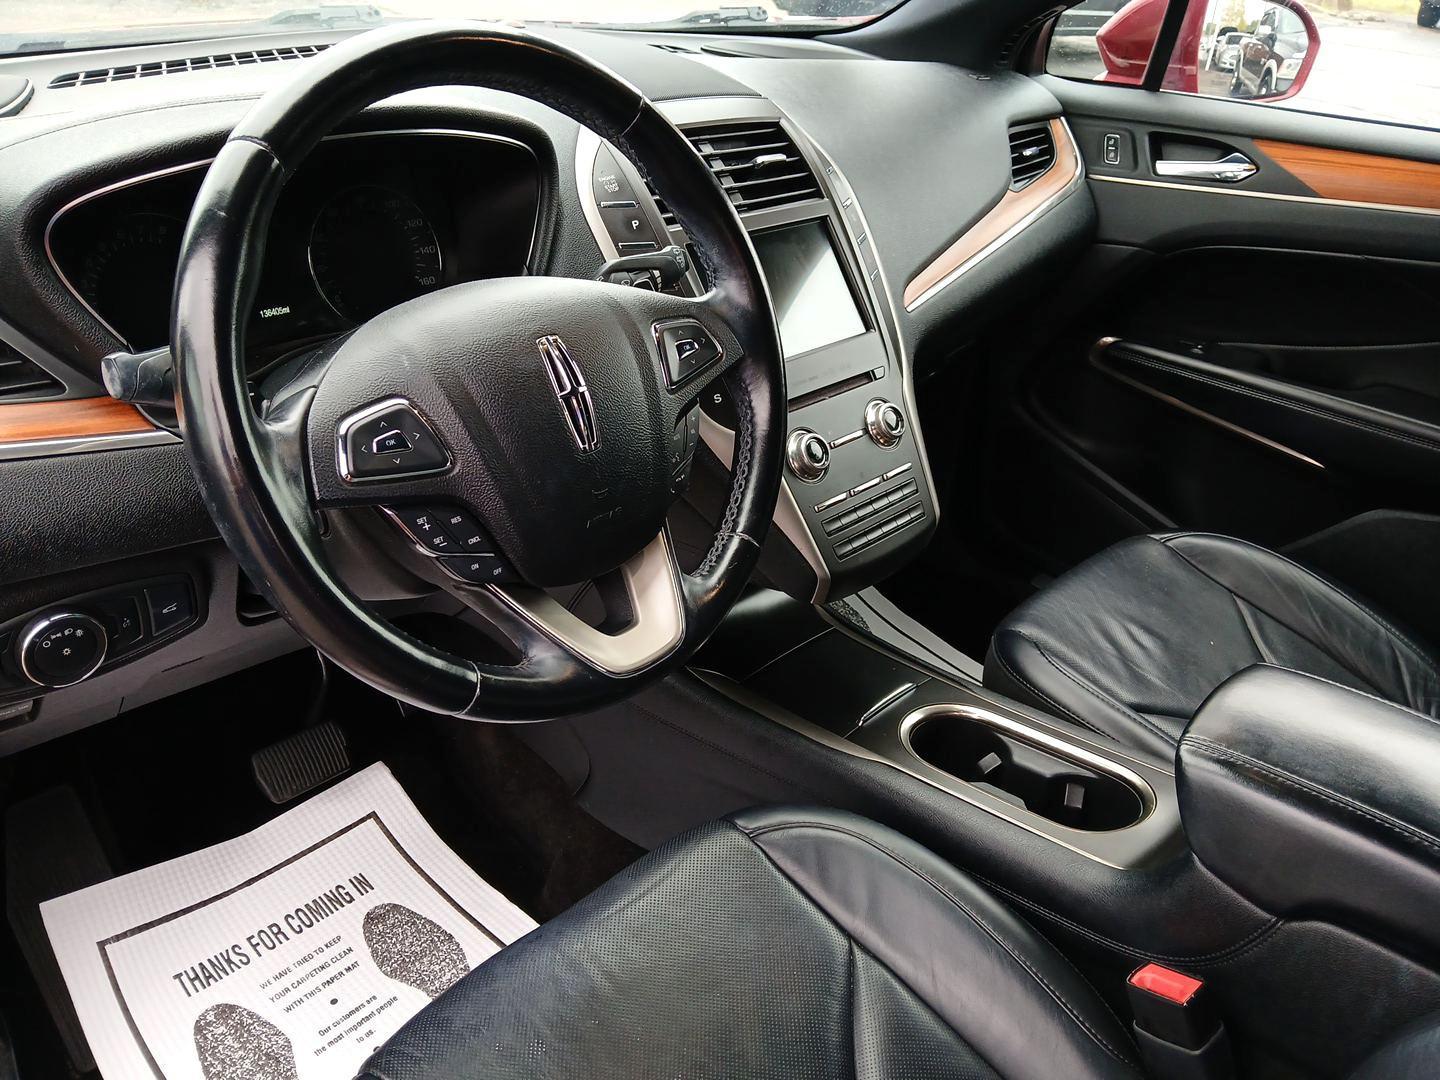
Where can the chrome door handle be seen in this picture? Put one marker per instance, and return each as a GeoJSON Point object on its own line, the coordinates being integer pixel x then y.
{"type": "Point", "coordinates": [1228, 170]}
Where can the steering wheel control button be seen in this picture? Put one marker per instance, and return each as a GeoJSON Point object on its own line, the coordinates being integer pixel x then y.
{"type": "Point", "coordinates": [467, 532]}
{"type": "Point", "coordinates": [389, 440]}
{"type": "Point", "coordinates": [686, 347]}
{"type": "Point", "coordinates": [885, 423]}
{"type": "Point", "coordinates": [170, 605]}
{"type": "Point", "coordinates": [62, 649]}
{"type": "Point", "coordinates": [808, 455]}
{"type": "Point", "coordinates": [480, 569]}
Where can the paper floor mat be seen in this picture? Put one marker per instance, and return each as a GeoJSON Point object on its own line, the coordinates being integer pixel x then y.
{"type": "Point", "coordinates": [290, 953]}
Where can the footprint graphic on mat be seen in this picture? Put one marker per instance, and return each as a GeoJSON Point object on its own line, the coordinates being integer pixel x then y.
{"type": "Point", "coordinates": [234, 1043]}
{"type": "Point", "coordinates": [414, 950]}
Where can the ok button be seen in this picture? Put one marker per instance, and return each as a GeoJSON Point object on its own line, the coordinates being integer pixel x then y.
{"type": "Point", "coordinates": [391, 442]}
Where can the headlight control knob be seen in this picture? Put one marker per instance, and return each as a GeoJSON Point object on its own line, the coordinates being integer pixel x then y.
{"type": "Point", "coordinates": [808, 455]}
{"type": "Point", "coordinates": [884, 422]}
{"type": "Point", "coordinates": [62, 649]}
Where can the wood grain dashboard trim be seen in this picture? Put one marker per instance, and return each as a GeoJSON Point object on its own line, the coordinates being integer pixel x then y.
{"type": "Point", "coordinates": [1014, 211]}
{"type": "Point", "coordinates": [1349, 176]}
{"type": "Point", "coordinates": [72, 418]}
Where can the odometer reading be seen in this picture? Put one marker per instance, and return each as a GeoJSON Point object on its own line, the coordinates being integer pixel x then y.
{"type": "Point", "coordinates": [370, 249]}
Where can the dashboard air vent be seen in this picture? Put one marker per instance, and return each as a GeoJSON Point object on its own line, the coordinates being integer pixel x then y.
{"type": "Point", "coordinates": [665, 211]}
{"type": "Point", "coordinates": [188, 63]}
{"type": "Point", "coordinates": [1032, 152]}
{"type": "Point", "coordinates": [22, 378]}
{"type": "Point", "coordinates": [758, 165]}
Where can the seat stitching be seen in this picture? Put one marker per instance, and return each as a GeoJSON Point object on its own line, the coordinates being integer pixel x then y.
{"type": "Point", "coordinates": [1096, 693]}
{"type": "Point", "coordinates": [851, 975]}
{"type": "Point", "coordinates": [1042, 695]}
{"type": "Point", "coordinates": [1309, 787]}
{"type": "Point", "coordinates": [960, 905]}
{"type": "Point", "coordinates": [1250, 628]}
{"type": "Point", "coordinates": [1250, 941]}
{"type": "Point", "coordinates": [1420, 654]}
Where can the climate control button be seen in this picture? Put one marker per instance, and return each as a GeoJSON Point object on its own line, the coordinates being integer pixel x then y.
{"type": "Point", "coordinates": [884, 422]}
{"type": "Point", "coordinates": [808, 455]}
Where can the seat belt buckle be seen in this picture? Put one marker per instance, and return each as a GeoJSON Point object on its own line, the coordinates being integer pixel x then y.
{"type": "Point", "coordinates": [1176, 1026]}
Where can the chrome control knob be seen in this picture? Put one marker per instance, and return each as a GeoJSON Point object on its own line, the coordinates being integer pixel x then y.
{"type": "Point", "coordinates": [808, 455]}
{"type": "Point", "coordinates": [62, 649]}
{"type": "Point", "coordinates": [884, 422]}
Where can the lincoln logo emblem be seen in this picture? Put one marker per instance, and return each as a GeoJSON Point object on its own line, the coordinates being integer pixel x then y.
{"type": "Point", "coordinates": [570, 388]}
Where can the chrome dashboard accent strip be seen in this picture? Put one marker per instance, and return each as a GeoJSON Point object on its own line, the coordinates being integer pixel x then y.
{"type": "Point", "coordinates": [190, 166]}
{"type": "Point", "coordinates": [85, 444]}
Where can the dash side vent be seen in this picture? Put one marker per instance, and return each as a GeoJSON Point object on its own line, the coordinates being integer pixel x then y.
{"type": "Point", "coordinates": [758, 165]}
{"type": "Point", "coordinates": [212, 62]}
{"type": "Point", "coordinates": [1032, 153]}
{"type": "Point", "coordinates": [21, 379]}
{"type": "Point", "coordinates": [660, 204]}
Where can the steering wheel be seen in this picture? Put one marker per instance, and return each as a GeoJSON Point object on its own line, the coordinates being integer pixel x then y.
{"type": "Point", "coordinates": [545, 407]}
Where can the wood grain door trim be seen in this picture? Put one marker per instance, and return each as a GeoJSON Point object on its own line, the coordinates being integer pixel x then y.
{"type": "Point", "coordinates": [1012, 213]}
{"type": "Point", "coordinates": [72, 418]}
{"type": "Point", "coordinates": [1352, 177]}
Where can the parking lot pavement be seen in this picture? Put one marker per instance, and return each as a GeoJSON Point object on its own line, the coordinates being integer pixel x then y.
{"type": "Point", "coordinates": [1383, 68]}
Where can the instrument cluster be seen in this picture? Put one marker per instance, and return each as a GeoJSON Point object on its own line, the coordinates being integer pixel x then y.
{"type": "Point", "coordinates": [368, 221]}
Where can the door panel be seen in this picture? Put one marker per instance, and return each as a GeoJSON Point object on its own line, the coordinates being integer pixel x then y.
{"type": "Point", "coordinates": [1261, 357]}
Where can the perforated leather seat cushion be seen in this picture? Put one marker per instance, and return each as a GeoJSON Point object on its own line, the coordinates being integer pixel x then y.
{"type": "Point", "coordinates": [772, 945]}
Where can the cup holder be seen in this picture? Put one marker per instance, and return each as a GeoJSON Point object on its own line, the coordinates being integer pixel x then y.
{"type": "Point", "coordinates": [1067, 785]}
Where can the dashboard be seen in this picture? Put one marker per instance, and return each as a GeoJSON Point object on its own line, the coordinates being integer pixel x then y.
{"type": "Point", "coordinates": [369, 221]}
{"type": "Point", "coordinates": [878, 239]}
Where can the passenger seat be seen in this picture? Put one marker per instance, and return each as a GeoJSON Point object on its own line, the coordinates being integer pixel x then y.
{"type": "Point", "coordinates": [1130, 642]}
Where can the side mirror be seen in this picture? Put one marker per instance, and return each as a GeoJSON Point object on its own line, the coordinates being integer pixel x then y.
{"type": "Point", "coordinates": [1274, 58]}
{"type": "Point", "coordinates": [1278, 62]}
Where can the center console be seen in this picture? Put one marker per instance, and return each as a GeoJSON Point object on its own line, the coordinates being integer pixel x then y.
{"type": "Point", "coordinates": [857, 498]}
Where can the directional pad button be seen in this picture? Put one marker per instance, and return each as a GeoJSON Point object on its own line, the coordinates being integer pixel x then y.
{"type": "Point", "coordinates": [389, 440]}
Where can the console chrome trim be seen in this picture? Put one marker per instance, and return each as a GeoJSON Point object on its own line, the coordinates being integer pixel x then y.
{"type": "Point", "coordinates": [1027, 733]}
{"type": "Point", "coordinates": [190, 166]}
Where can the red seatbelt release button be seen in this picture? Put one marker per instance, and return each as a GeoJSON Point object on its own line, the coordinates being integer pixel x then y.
{"type": "Point", "coordinates": [1173, 986]}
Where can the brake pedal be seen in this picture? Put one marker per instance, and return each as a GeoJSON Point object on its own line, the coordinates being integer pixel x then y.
{"type": "Point", "coordinates": [303, 762]}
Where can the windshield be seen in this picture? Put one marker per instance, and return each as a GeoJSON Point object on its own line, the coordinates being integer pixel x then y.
{"type": "Point", "coordinates": [54, 25]}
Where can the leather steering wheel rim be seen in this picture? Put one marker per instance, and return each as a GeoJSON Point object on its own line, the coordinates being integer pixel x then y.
{"type": "Point", "coordinates": [259, 490]}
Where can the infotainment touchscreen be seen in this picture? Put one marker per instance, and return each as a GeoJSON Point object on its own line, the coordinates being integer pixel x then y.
{"type": "Point", "coordinates": [812, 298]}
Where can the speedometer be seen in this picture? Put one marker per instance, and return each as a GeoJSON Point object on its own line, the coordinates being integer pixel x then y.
{"type": "Point", "coordinates": [372, 248]}
{"type": "Point", "coordinates": [127, 272]}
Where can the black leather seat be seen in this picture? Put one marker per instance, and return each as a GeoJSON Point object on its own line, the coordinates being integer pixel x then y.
{"type": "Point", "coordinates": [1131, 642]}
{"type": "Point", "coordinates": [772, 944]}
